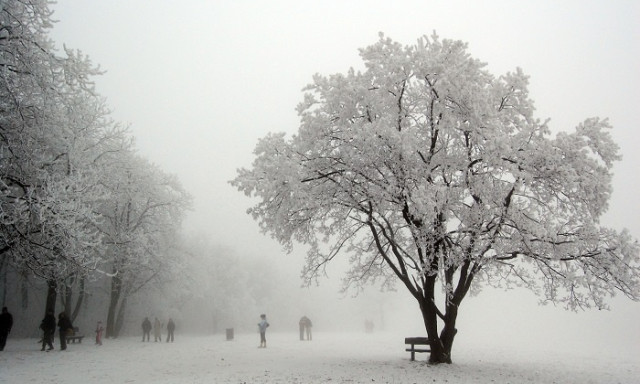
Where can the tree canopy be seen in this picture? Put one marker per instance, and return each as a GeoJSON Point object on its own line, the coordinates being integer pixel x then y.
{"type": "Point", "coordinates": [75, 199]}
{"type": "Point", "coordinates": [53, 132]}
{"type": "Point", "coordinates": [425, 168]}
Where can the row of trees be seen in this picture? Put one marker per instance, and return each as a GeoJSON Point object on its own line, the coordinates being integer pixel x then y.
{"type": "Point", "coordinates": [76, 201]}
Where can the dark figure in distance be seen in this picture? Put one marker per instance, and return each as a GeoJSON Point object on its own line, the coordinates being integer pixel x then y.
{"type": "Point", "coordinates": [171, 326]}
{"type": "Point", "coordinates": [48, 326]}
{"type": "Point", "coordinates": [146, 329]}
{"type": "Point", "coordinates": [305, 327]}
{"type": "Point", "coordinates": [64, 329]}
{"type": "Point", "coordinates": [6, 322]}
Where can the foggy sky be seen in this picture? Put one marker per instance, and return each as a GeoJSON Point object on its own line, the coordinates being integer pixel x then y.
{"type": "Point", "coordinates": [200, 81]}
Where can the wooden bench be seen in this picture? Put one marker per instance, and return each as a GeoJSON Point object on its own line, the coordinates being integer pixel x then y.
{"type": "Point", "coordinates": [413, 341]}
{"type": "Point", "coordinates": [76, 335]}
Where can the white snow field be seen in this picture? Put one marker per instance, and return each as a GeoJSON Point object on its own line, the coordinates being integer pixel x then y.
{"type": "Point", "coordinates": [329, 358]}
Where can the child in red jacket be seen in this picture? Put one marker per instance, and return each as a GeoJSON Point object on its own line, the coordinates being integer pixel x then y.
{"type": "Point", "coordinates": [99, 330]}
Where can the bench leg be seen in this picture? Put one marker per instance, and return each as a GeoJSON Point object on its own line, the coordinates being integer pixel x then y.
{"type": "Point", "coordinates": [413, 353]}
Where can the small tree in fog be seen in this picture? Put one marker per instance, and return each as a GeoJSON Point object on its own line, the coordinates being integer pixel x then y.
{"type": "Point", "coordinates": [427, 169]}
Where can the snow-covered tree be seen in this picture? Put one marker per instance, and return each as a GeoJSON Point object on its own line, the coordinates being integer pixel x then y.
{"type": "Point", "coordinates": [426, 169]}
{"type": "Point", "coordinates": [141, 219]}
{"type": "Point", "coordinates": [53, 133]}
{"type": "Point", "coordinates": [74, 199]}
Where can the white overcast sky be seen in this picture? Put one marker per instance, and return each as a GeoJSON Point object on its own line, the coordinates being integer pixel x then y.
{"type": "Point", "coordinates": [200, 81]}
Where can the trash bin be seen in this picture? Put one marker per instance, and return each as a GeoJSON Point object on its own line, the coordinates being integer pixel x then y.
{"type": "Point", "coordinates": [229, 333]}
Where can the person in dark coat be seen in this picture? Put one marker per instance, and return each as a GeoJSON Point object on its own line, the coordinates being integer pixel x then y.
{"type": "Point", "coordinates": [48, 326]}
{"type": "Point", "coordinates": [146, 329]}
{"type": "Point", "coordinates": [64, 329]}
{"type": "Point", "coordinates": [301, 325]}
{"type": "Point", "coordinates": [6, 322]}
{"type": "Point", "coordinates": [171, 326]}
{"type": "Point", "coordinates": [305, 327]}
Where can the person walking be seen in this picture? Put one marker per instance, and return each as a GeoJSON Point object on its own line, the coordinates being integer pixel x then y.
{"type": "Point", "coordinates": [171, 326]}
{"type": "Point", "coordinates": [64, 329]}
{"type": "Point", "coordinates": [262, 326]}
{"type": "Point", "coordinates": [301, 325]}
{"type": "Point", "coordinates": [157, 330]}
{"type": "Point", "coordinates": [48, 326]}
{"type": "Point", "coordinates": [6, 322]}
{"type": "Point", "coordinates": [307, 327]}
{"type": "Point", "coordinates": [146, 329]}
{"type": "Point", "coordinates": [99, 330]}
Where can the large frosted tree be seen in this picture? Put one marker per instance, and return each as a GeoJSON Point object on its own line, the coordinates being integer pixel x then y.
{"type": "Point", "coordinates": [427, 170]}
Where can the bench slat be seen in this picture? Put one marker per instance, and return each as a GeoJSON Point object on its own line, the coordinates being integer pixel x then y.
{"type": "Point", "coordinates": [416, 340]}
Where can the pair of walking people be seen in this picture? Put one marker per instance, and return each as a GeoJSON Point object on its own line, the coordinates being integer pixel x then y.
{"type": "Point", "coordinates": [305, 327]}
{"type": "Point", "coordinates": [48, 326]}
{"type": "Point", "coordinates": [157, 330]}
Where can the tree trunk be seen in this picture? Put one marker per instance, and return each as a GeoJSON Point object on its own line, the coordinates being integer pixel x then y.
{"type": "Point", "coordinates": [439, 353]}
{"type": "Point", "coordinates": [116, 289]}
{"type": "Point", "coordinates": [449, 329]}
{"type": "Point", "coordinates": [50, 305]}
{"type": "Point", "coordinates": [76, 308]}
{"type": "Point", "coordinates": [67, 299]}
{"type": "Point", "coordinates": [120, 316]}
{"type": "Point", "coordinates": [24, 290]}
{"type": "Point", "coordinates": [66, 295]}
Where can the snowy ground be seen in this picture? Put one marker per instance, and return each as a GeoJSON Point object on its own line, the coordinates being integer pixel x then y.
{"type": "Point", "coordinates": [329, 358]}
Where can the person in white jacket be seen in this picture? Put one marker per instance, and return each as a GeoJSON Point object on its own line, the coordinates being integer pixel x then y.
{"type": "Point", "coordinates": [262, 326]}
{"type": "Point", "coordinates": [157, 330]}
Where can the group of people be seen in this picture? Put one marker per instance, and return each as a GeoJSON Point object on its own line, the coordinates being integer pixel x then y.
{"type": "Point", "coordinates": [48, 326]}
{"type": "Point", "coordinates": [305, 327]}
{"type": "Point", "coordinates": [157, 330]}
{"type": "Point", "coordinates": [304, 323]}
{"type": "Point", "coordinates": [65, 328]}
